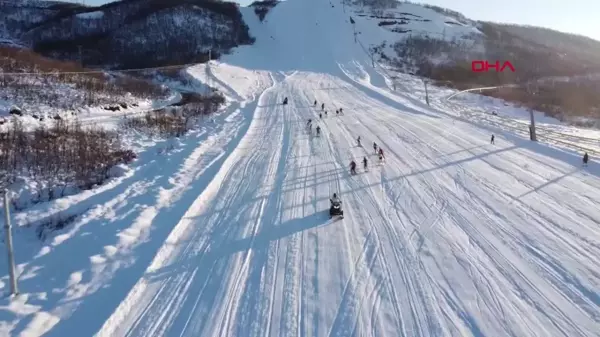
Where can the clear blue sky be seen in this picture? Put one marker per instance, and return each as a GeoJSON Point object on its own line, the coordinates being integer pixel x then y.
{"type": "Point", "coordinates": [574, 16]}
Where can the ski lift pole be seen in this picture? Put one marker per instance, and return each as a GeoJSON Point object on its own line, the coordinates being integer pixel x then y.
{"type": "Point", "coordinates": [9, 246]}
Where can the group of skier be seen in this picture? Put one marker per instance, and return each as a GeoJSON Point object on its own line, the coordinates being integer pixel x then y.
{"type": "Point", "coordinates": [336, 204]}
{"type": "Point", "coordinates": [309, 127]}
{"type": "Point", "coordinates": [323, 111]}
{"type": "Point", "coordinates": [378, 151]}
{"type": "Point", "coordinates": [335, 209]}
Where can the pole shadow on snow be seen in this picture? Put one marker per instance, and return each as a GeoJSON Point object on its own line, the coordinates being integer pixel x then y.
{"type": "Point", "coordinates": [346, 173]}
{"type": "Point", "coordinates": [97, 306]}
{"type": "Point", "coordinates": [269, 106]}
{"type": "Point", "coordinates": [549, 182]}
{"type": "Point", "coordinates": [462, 150]}
{"type": "Point", "coordinates": [567, 156]}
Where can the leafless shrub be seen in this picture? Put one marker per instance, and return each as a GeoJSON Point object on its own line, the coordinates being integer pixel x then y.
{"type": "Point", "coordinates": [175, 121]}
{"type": "Point", "coordinates": [44, 75]}
{"type": "Point", "coordinates": [65, 154]}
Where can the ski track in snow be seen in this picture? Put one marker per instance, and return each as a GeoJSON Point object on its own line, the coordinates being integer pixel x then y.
{"type": "Point", "coordinates": [230, 234]}
{"type": "Point", "coordinates": [435, 242]}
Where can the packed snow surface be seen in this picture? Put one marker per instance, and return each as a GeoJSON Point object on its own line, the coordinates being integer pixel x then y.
{"type": "Point", "coordinates": [228, 233]}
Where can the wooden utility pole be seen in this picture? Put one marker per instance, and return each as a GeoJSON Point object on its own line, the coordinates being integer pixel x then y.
{"type": "Point", "coordinates": [532, 135]}
{"type": "Point", "coordinates": [207, 70]}
{"type": "Point", "coordinates": [426, 92]}
{"type": "Point", "coordinates": [9, 246]}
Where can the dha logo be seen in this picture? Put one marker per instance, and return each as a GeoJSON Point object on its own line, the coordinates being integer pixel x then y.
{"type": "Point", "coordinates": [479, 66]}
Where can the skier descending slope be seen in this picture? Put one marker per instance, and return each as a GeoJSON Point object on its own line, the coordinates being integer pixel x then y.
{"type": "Point", "coordinates": [352, 167]}
{"type": "Point", "coordinates": [381, 156]}
{"type": "Point", "coordinates": [375, 147]}
{"type": "Point", "coordinates": [365, 164]}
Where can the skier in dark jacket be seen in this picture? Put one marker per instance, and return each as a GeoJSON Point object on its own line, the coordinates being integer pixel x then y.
{"type": "Point", "coordinates": [375, 147]}
{"type": "Point", "coordinates": [586, 158]}
{"type": "Point", "coordinates": [315, 103]}
{"type": "Point", "coordinates": [381, 156]}
{"type": "Point", "coordinates": [365, 163]}
{"type": "Point", "coordinates": [492, 140]}
{"type": "Point", "coordinates": [323, 106]}
{"type": "Point", "coordinates": [352, 167]}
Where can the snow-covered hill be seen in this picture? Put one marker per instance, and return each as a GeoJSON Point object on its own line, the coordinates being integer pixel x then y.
{"type": "Point", "coordinates": [228, 234]}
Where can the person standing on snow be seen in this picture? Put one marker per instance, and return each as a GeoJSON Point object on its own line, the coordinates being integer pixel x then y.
{"type": "Point", "coordinates": [323, 106]}
{"type": "Point", "coordinates": [492, 140]}
{"type": "Point", "coordinates": [586, 158]}
{"type": "Point", "coordinates": [358, 140]}
{"type": "Point", "coordinates": [375, 147]}
{"type": "Point", "coordinates": [365, 163]}
{"type": "Point", "coordinates": [381, 156]}
{"type": "Point", "coordinates": [352, 167]}
{"type": "Point", "coordinates": [315, 103]}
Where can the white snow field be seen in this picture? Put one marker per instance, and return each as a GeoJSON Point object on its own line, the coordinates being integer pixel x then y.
{"type": "Point", "coordinates": [229, 234]}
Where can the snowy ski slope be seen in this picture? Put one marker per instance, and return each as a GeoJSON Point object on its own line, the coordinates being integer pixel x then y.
{"type": "Point", "coordinates": [230, 236]}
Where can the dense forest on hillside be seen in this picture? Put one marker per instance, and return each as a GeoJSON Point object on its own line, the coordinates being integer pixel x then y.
{"type": "Point", "coordinates": [128, 33]}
